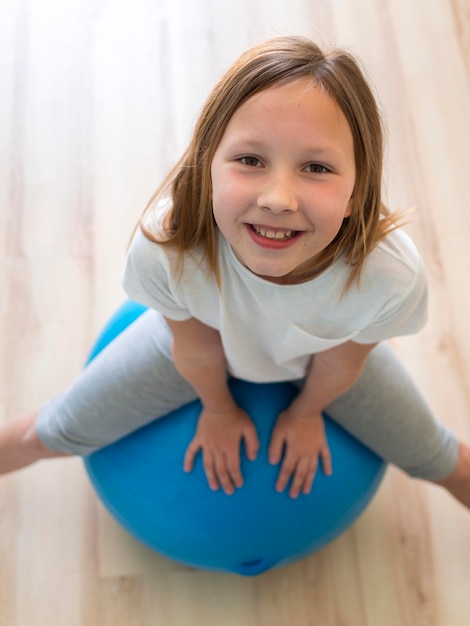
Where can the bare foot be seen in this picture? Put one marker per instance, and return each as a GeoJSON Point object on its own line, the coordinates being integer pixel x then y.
{"type": "Point", "coordinates": [458, 483]}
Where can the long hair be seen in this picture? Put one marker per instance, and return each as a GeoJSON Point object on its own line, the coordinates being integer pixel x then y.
{"type": "Point", "coordinates": [281, 61]}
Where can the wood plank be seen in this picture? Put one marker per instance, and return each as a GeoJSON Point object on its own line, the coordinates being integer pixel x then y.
{"type": "Point", "coordinates": [98, 100]}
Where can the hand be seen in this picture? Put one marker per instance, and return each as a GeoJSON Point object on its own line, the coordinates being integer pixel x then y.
{"type": "Point", "coordinates": [219, 435]}
{"type": "Point", "coordinates": [304, 440]}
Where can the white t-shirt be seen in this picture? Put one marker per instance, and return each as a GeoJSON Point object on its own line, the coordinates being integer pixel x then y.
{"type": "Point", "coordinates": [270, 331]}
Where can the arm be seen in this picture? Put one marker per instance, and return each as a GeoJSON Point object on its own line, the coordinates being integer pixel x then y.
{"type": "Point", "coordinates": [300, 428]}
{"type": "Point", "coordinates": [199, 357]}
{"type": "Point", "coordinates": [332, 373]}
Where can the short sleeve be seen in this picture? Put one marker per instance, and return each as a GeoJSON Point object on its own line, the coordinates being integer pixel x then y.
{"type": "Point", "coordinates": [404, 313]}
{"type": "Point", "coordinates": [150, 277]}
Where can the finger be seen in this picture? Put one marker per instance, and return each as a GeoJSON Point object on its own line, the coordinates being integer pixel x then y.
{"type": "Point", "coordinates": [232, 460]}
{"type": "Point", "coordinates": [304, 473]}
{"type": "Point", "coordinates": [250, 438]}
{"type": "Point", "coordinates": [285, 473]}
{"type": "Point", "coordinates": [223, 474]}
{"type": "Point", "coordinates": [190, 455]}
{"type": "Point", "coordinates": [276, 447]}
{"type": "Point", "coordinates": [235, 473]}
{"type": "Point", "coordinates": [209, 468]}
{"type": "Point", "coordinates": [310, 478]}
{"type": "Point", "coordinates": [326, 461]}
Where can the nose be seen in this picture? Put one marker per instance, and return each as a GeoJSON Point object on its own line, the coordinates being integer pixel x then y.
{"type": "Point", "coordinates": [278, 193]}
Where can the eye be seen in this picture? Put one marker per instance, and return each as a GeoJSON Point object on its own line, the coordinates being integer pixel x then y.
{"type": "Point", "coordinates": [250, 161]}
{"type": "Point", "coordinates": [317, 168]}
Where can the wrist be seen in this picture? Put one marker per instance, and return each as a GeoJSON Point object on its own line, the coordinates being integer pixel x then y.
{"type": "Point", "coordinates": [219, 407]}
{"type": "Point", "coordinates": [217, 400]}
{"type": "Point", "coordinates": [305, 406]}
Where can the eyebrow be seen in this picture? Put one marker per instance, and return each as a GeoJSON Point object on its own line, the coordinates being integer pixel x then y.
{"type": "Point", "coordinates": [311, 150]}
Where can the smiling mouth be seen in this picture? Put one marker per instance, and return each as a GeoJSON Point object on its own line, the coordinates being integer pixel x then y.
{"type": "Point", "coordinates": [274, 235]}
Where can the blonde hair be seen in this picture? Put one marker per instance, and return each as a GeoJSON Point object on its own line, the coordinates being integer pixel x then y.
{"type": "Point", "coordinates": [281, 61]}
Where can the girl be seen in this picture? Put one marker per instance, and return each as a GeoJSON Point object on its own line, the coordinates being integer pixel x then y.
{"type": "Point", "coordinates": [273, 259]}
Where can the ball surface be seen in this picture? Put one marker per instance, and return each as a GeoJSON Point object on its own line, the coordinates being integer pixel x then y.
{"type": "Point", "coordinates": [141, 481]}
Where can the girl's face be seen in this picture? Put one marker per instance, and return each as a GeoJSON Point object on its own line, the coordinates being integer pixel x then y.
{"type": "Point", "coordinates": [282, 178]}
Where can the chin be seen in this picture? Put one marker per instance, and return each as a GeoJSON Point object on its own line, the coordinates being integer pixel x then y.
{"type": "Point", "coordinates": [268, 272]}
{"type": "Point", "coordinates": [273, 277]}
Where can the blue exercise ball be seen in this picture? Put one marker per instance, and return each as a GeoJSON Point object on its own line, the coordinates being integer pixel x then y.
{"type": "Point", "coordinates": [141, 481]}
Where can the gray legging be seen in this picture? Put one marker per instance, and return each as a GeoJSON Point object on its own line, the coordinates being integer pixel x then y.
{"type": "Point", "coordinates": [133, 381]}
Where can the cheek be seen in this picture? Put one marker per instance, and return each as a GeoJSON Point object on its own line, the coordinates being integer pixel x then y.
{"type": "Point", "coordinates": [349, 208]}
{"type": "Point", "coordinates": [221, 208]}
{"type": "Point", "coordinates": [217, 196]}
{"type": "Point", "coordinates": [229, 196]}
{"type": "Point", "coordinates": [216, 212]}
{"type": "Point", "coordinates": [342, 206]}
{"type": "Point", "coordinates": [329, 224]}
{"type": "Point", "coordinates": [220, 184]}
{"type": "Point", "coordinates": [350, 195]}
{"type": "Point", "coordinates": [330, 211]}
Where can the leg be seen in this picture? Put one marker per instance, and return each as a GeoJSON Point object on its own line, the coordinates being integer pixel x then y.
{"type": "Point", "coordinates": [458, 482]}
{"type": "Point", "coordinates": [386, 411]}
{"type": "Point", "coordinates": [132, 382]}
{"type": "Point", "coordinates": [20, 445]}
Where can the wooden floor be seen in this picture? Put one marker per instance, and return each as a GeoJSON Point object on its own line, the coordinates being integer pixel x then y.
{"type": "Point", "coordinates": [97, 98]}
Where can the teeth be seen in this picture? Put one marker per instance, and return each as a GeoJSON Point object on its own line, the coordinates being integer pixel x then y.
{"type": "Point", "coordinates": [271, 234]}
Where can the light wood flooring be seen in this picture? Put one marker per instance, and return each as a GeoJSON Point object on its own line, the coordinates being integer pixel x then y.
{"type": "Point", "coordinates": [97, 99]}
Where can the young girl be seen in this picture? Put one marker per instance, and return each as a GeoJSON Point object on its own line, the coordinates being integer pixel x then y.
{"type": "Point", "coordinates": [267, 255]}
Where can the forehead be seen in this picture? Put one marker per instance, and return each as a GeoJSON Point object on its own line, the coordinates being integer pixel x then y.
{"type": "Point", "coordinates": [301, 107]}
